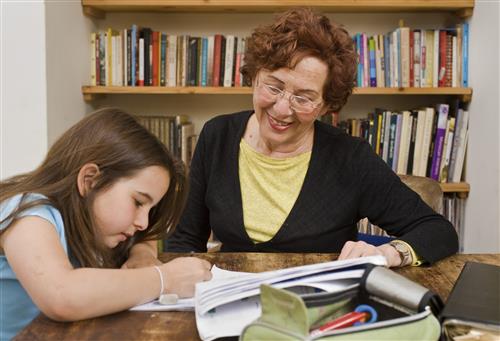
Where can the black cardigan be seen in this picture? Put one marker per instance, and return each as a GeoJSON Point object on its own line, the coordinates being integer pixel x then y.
{"type": "Point", "coordinates": [345, 181]}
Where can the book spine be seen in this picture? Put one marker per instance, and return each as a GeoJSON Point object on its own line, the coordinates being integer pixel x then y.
{"type": "Point", "coordinates": [124, 51]}
{"type": "Point", "coordinates": [432, 145]}
{"type": "Point", "coordinates": [210, 60]}
{"type": "Point", "coordinates": [97, 59]}
{"type": "Point", "coordinates": [419, 140]}
{"type": "Point", "coordinates": [228, 71]}
{"type": "Point", "coordinates": [426, 141]}
{"type": "Point", "coordinates": [416, 58]}
{"type": "Point", "coordinates": [448, 142]}
{"type": "Point", "coordinates": [141, 61]}
{"type": "Point", "coordinates": [404, 56]}
{"type": "Point", "coordinates": [204, 61]}
{"type": "Point", "coordinates": [155, 58]}
{"type": "Point", "coordinates": [359, 49]}
{"type": "Point", "coordinates": [412, 59]}
{"type": "Point", "coordinates": [366, 63]}
{"type": "Point", "coordinates": [92, 59]}
{"type": "Point", "coordinates": [163, 59]}
{"type": "Point", "coordinates": [222, 61]}
{"type": "Point", "coordinates": [129, 58]}
{"type": "Point", "coordinates": [435, 70]}
{"type": "Point", "coordinates": [387, 61]}
{"type": "Point", "coordinates": [439, 140]}
{"type": "Point", "coordinates": [392, 138]}
{"type": "Point", "coordinates": [172, 60]}
{"type": "Point", "coordinates": [373, 70]}
{"type": "Point", "coordinates": [133, 55]}
{"type": "Point", "coordinates": [465, 55]}
{"type": "Point", "coordinates": [381, 61]}
{"type": "Point", "coordinates": [413, 138]}
{"type": "Point", "coordinates": [217, 59]}
{"type": "Point", "coordinates": [449, 61]}
{"type": "Point", "coordinates": [442, 58]}
{"type": "Point", "coordinates": [397, 142]}
{"type": "Point", "coordinates": [404, 142]}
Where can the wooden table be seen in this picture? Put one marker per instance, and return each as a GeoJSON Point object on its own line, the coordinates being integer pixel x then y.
{"type": "Point", "coordinates": [181, 325]}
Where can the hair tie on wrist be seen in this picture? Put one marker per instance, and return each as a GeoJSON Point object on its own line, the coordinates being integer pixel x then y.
{"type": "Point", "coordinates": [161, 280]}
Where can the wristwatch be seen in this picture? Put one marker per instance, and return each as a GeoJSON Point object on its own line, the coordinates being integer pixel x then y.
{"type": "Point", "coordinates": [404, 252]}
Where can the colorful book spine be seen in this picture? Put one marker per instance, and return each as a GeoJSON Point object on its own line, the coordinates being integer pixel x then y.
{"type": "Point", "coordinates": [204, 61]}
{"type": "Point", "coordinates": [373, 70]}
{"type": "Point", "coordinates": [439, 140]}
{"type": "Point", "coordinates": [465, 55]}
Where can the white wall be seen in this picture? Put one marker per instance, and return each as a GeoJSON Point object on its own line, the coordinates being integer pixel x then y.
{"type": "Point", "coordinates": [482, 220]}
{"type": "Point", "coordinates": [23, 111]}
{"type": "Point", "coordinates": [68, 64]}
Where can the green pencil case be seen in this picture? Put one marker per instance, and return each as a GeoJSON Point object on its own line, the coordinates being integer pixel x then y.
{"type": "Point", "coordinates": [290, 316]}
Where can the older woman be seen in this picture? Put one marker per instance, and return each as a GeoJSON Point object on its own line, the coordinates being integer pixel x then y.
{"type": "Point", "coordinates": [276, 179]}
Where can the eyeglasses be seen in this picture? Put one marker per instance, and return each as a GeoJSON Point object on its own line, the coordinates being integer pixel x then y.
{"type": "Point", "coordinates": [297, 103]}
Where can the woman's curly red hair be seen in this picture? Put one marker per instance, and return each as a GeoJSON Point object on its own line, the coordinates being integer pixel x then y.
{"type": "Point", "coordinates": [296, 34]}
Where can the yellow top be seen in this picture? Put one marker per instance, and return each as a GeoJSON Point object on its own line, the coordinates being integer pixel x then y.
{"type": "Point", "coordinates": [269, 189]}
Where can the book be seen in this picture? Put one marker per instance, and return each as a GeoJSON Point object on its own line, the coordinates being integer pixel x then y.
{"type": "Point", "coordinates": [439, 140]}
{"type": "Point", "coordinates": [217, 60]}
{"type": "Point", "coordinates": [459, 146]}
{"type": "Point", "coordinates": [171, 60]}
{"type": "Point", "coordinates": [472, 307]}
{"type": "Point", "coordinates": [404, 56]}
{"type": "Point", "coordinates": [448, 142]}
{"type": "Point", "coordinates": [93, 81]}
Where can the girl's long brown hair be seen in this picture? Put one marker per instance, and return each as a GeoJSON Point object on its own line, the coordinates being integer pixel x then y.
{"type": "Point", "coordinates": [120, 146]}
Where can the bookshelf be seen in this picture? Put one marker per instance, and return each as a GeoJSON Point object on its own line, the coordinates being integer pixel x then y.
{"type": "Point", "coordinates": [98, 9]}
{"type": "Point", "coordinates": [89, 92]}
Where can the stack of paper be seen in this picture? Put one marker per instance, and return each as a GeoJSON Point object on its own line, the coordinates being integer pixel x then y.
{"type": "Point", "coordinates": [224, 306]}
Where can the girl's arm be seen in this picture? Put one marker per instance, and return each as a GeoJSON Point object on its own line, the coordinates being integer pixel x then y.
{"type": "Point", "coordinates": [34, 251]}
{"type": "Point", "coordinates": [142, 254]}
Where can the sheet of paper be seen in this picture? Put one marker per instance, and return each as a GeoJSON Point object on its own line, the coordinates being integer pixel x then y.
{"type": "Point", "coordinates": [186, 304]}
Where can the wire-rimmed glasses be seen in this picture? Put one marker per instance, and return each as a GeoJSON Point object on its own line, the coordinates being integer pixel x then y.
{"type": "Point", "coordinates": [297, 103]}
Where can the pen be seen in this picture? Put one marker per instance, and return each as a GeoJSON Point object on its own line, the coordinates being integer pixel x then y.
{"type": "Point", "coordinates": [360, 315]}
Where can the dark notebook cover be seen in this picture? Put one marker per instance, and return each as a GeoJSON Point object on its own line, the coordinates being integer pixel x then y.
{"type": "Point", "coordinates": [476, 295]}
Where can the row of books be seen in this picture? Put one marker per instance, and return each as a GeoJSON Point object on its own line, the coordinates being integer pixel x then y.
{"type": "Point", "coordinates": [402, 58]}
{"type": "Point", "coordinates": [143, 57]}
{"type": "Point", "coordinates": [414, 58]}
{"type": "Point", "coordinates": [424, 142]}
{"type": "Point", "coordinates": [453, 210]}
{"type": "Point", "coordinates": [175, 132]}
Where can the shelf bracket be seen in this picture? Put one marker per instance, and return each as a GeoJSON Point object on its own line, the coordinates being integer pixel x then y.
{"type": "Point", "coordinates": [91, 97]}
{"type": "Point", "coordinates": [93, 12]}
{"type": "Point", "coordinates": [466, 98]}
{"type": "Point", "coordinates": [464, 13]}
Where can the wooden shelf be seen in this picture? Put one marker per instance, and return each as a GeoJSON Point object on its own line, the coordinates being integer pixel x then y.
{"type": "Point", "coordinates": [455, 187]}
{"type": "Point", "coordinates": [89, 92]}
{"type": "Point", "coordinates": [98, 8]}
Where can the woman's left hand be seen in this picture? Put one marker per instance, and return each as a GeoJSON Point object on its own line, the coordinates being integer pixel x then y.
{"type": "Point", "coordinates": [142, 255]}
{"type": "Point", "coordinates": [361, 249]}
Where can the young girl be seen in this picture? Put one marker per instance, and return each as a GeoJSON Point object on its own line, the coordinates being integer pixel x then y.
{"type": "Point", "coordinates": [106, 191]}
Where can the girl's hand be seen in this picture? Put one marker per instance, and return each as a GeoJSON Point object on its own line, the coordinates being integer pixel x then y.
{"type": "Point", "coordinates": [362, 249]}
{"type": "Point", "coordinates": [181, 274]}
{"type": "Point", "coordinates": [142, 255]}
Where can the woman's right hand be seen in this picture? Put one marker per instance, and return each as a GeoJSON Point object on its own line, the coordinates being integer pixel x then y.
{"type": "Point", "coordinates": [181, 274]}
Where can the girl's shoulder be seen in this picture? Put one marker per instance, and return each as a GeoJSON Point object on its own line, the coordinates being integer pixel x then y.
{"type": "Point", "coordinates": [43, 210]}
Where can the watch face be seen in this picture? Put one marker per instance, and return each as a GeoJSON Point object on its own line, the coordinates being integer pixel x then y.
{"type": "Point", "coordinates": [403, 251]}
